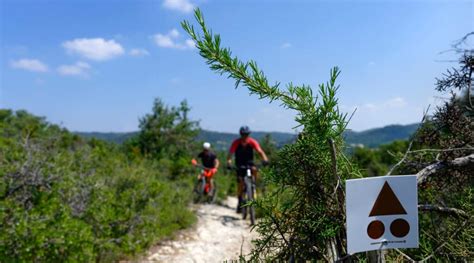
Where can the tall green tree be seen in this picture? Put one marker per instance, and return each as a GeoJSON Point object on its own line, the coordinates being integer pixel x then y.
{"type": "Point", "coordinates": [167, 131]}
{"type": "Point", "coordinates": [166, 135]}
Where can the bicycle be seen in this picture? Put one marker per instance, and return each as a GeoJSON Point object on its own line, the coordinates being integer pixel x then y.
{"type": "Point", "coordinates": [249, 193]}
{"type": "Point", "coordinates": [203, 188]}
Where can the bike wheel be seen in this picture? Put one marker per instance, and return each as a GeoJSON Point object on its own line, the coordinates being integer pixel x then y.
{"type": "Point", "coordinates": [249, 189]}
{"type": "Point", "coordinates": [214, 194]}
{"type": "Point", "coordinates": [244, 208]}
{"type": "Point", "coordinates": [244, 201]}
{"type": "Point", "coordinates": [199, 190]}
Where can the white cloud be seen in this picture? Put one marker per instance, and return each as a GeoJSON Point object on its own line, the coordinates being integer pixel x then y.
{"type": "Point", "coordinates": [163, 41]}
{"type": "Point", "coordinates": [174, 33]}
{"type": "Point", "coordinates": [30, 65]}
{"type": "Point", "coordinates": [397, 102]}
{"type": "Point", "coordinates": [139, 52]}
{"type": "Point", "coordinates": [394, 110]}
{"type": "Point", "coordinates": [370, 106]}
{"type": "Point", "coordinates": [286, 45]}
{"type": "Point", "coordinates": [189, 43]}
{"type": "Point", "coordinates": [78, 69]}
{"type": "Point", "coordinates": [171, 40]}
{"type": "Point", "coordinates": [184, 6]}
{"type": "Point", "coordinates": [393, 103]}
{"type": "Point", "coordinates": [97, 49]}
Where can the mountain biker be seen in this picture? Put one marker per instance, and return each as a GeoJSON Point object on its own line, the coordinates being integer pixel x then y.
{"type": "Point", "coordinates": [210, 162]}
{"type": "Point", "coordinates": [243, 149]}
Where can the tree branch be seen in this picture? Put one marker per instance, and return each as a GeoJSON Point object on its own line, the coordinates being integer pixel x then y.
{"type": "Point", "coordinates": [447, 210]}
{"type": "Point", "coordinates": [402, 160]}
{"type": "Point", "coordinates": [425, 115]}
{"type": "Point", "coordinates": [405, 255]}
{"type": "Point", "coordinates": [461, 162]}
{"type": "Point", "coordinates": [332, 148]}
{"type": "Point", "coordinates": [443, 150]}
{"type": "Point", "coordinates": [277, 226]}
{"type": "Point", "coordinates": [445, 242]}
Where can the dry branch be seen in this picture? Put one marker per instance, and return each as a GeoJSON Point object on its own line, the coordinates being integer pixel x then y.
{"type": "Point", "coordinates": [461, 162]}
{"type": "Point", "coordinates": [445, 242]}
{"type": "Point", "coordinates": [447, 210]}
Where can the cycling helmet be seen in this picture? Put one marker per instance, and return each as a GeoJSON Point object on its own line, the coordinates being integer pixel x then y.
{"type": "Point", "coordinates": [206, 146]}
{"type": "Point", "coordinates": [244, 130]}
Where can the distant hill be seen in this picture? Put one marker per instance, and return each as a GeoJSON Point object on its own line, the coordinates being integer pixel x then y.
{"type": "Point", "coordinates": [375, 137]}
{"type": "Point", "coordinates": [115, 137]}
{"type": "Point", "coordinates": [222, 140]}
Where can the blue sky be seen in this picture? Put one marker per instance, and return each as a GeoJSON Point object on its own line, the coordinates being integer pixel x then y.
{"type": "Point", "coordinates": [98, 65]}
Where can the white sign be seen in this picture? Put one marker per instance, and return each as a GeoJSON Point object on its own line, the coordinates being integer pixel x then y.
{"type": "Point", "coordinates": [381, 213]}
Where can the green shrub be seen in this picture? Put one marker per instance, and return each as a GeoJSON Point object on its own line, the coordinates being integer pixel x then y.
{"type": "Point", "coordinates": [65, 199]}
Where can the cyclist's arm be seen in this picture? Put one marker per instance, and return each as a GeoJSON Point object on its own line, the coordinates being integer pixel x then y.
{"type": "Point", "coordinates": [257, 148]}
{"type": "Point", "coordinates": [262, 154]}
{"type": "Point", "coordinates": [216, 163]}
{"type": "Point", "coordinates": [232, 150]}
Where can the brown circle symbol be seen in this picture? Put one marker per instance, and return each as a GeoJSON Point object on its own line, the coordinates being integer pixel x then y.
{"type": "Point", "coordinates": [399, 227]}
{"type": "Point", "coordinates": [375, 229]}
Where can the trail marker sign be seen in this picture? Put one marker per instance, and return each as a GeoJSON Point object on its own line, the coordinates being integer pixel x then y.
{"type": "Point", "coordinates": [381, 213]}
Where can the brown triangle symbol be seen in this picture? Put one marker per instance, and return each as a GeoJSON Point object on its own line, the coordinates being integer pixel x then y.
{"type": "Point", "coordinates": [387, 203]}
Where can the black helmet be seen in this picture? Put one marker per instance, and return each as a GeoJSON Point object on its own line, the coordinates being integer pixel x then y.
{"type": "Point", "coordinates": [244, 130]}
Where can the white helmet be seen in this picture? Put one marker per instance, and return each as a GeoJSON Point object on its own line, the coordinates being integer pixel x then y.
{"type": "Point", "coordinates": [206, 146]}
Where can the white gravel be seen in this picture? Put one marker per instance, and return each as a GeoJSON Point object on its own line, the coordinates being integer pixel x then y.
{"type": "Point", "coordinates": [220, 235]}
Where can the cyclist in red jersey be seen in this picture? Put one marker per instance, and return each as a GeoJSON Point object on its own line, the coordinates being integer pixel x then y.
{"type": "Point", "coordinates": [243, 149]}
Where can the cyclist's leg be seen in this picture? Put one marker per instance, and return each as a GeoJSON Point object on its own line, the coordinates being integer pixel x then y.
{"type": "Point", "coordinates": [196, 187]}
{"type": "Point", "coordinates": [254, 172]}
{"type": "Point", "coordinates": [240, 187]}
{"type": "Point", "coordinates": [209, 181]}
{"type": "Point", "coordinates": [212, 179]}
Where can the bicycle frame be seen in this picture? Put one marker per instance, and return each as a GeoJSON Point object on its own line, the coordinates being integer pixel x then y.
{"type": "Point", "coordinates": [248, 193]}
{"type": "Point", "coordinates": [205, 173]}
{"type": "Point", "coordinates": [203, 187]}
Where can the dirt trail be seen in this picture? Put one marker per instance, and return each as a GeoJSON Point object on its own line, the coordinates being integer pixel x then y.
{"type": "Point", "coordinates": [220, 234]}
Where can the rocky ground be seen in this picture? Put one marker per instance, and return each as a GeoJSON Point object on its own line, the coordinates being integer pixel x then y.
{"type": "Point", "coordinates": [220, 234]}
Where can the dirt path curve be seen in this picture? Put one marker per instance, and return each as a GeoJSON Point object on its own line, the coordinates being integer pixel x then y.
{"type": "Point", "coordinates": [220, 235]}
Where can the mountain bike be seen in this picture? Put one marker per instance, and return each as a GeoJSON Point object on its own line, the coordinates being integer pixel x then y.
{"type": "Point", "coordinates": [249, 191]}
{"type": "Point", "coordinates": [203, 190]}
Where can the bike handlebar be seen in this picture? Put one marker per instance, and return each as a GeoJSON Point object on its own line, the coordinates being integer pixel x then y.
{"type": "Point", "coordinates": [248, 166]}
{"type": "Point", "coordinates": [199, 166]}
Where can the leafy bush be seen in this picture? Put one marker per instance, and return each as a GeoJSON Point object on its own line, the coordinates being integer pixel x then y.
{"type": "Point", "coordinates": [65, 199]}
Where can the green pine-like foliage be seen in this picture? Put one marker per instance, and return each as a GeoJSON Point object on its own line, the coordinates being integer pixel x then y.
{"type": "Point", "coordinates": [301, 213]}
